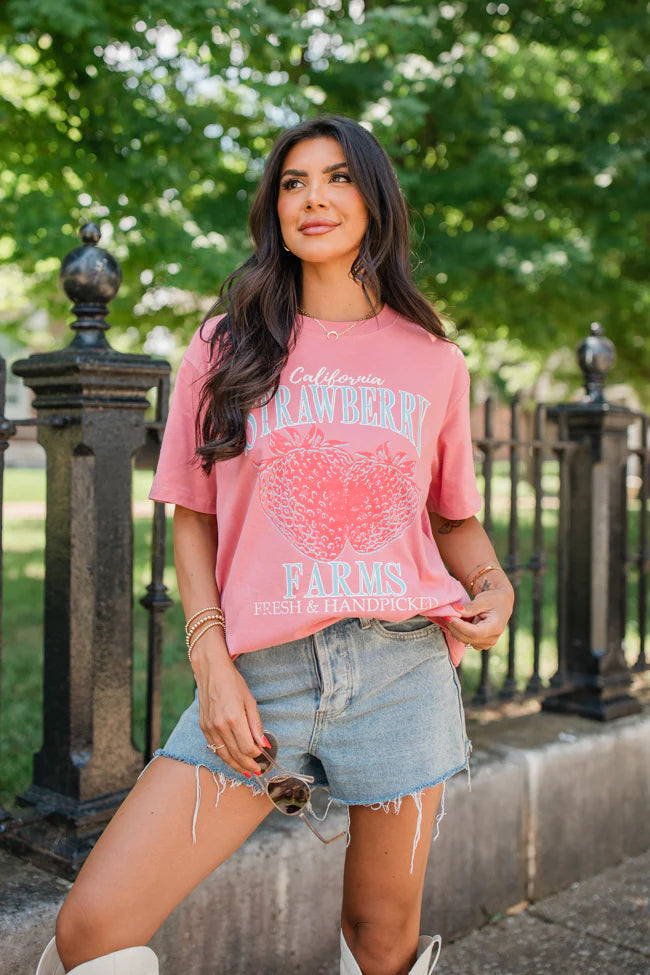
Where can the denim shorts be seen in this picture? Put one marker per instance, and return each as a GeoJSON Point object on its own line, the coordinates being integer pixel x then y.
{"type": "Point", "coordinates": [371, 709]}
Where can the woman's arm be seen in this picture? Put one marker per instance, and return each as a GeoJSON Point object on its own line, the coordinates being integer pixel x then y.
{"type": "Point", "coordinates": [466, 549]}
{"type": "Point", "coordinates": [228, 711]}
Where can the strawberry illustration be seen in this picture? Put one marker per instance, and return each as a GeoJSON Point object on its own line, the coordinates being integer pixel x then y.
{"type": "Point", "coordinates": [302, 491]}
{"type": "Point", "coordinates": [381, 498]}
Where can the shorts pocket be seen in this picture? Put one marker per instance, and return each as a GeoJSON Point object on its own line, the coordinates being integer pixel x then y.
{"type": "Point", "coordinates": [410, 629]}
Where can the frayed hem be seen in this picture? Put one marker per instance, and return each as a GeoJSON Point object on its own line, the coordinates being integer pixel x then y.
{"type": "Point", "coordinates": [220, 780]}
{"type": "Point", "coordinates": [416, 795]}
{"type": "Point", "coordinates": [380, 803]}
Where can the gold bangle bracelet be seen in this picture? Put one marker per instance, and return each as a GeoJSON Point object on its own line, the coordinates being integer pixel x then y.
{"type": "Point", "coordinates": [200, 634]}
{"type": "Point", "coordinates": [486, 568]}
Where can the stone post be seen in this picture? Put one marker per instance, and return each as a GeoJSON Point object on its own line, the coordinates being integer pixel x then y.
{"type": "Point", "coordinates": [90, 402]}
{"type": "Point", "coordinates": [594, 627]}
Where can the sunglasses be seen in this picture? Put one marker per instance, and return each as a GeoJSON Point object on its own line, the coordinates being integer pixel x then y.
{"type": "Point", "coordinates": [289, 792]}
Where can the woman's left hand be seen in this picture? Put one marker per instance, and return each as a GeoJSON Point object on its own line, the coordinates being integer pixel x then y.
{"type": "Point", "coordinates": [482, 621]}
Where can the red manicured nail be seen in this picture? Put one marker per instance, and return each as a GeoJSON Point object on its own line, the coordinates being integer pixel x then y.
{"type": "Point", "coordinates": [447, 619]}
{"type": "Point", "coordinates": [248, 775]}
{"type": "Point", "coordinates": [458, 606]}
{"type": "Point", "coordinates": [258, 771]}
{"type": "Point", "coordinates": [266, 742]}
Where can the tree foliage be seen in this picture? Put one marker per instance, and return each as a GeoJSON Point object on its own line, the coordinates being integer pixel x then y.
{"type": "Point", "coordinates": [518, 130]}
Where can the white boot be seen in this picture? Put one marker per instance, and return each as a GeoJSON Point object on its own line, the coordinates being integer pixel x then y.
{"type": "Point", "coordinates": [128, 961]}
{"type": "Point", "coordinates": [428, 954]}
{"type": "Point", "coordinates": [424, 965]}
{"type": "Point", "coordinates": [50, 963]}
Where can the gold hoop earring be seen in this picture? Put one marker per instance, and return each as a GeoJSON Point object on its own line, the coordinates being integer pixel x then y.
{"type": "Point", "coordinates": [285, 247]}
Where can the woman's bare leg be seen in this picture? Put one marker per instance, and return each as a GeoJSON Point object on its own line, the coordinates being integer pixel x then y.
{"type": "Point", "coordinates": [382, 901]}
{"type": "Point", "coordinates": [145, 862]}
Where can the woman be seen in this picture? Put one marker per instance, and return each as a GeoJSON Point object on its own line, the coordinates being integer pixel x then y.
{"type": "Point", "coordinates": [319, 456]}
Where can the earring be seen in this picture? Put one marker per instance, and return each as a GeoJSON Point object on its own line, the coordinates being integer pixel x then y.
{"type": "Point", "coordinates": [285, 247]}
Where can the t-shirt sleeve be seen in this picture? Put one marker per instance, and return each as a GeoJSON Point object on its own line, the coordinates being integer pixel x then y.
{"type": "Point", "coordinates": [179, 478]}
{"type": "Point", "coordinates": [453, 492]}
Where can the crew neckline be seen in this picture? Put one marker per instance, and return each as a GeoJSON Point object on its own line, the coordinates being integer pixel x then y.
{"type": "Point", "coordinates": [368, 326]}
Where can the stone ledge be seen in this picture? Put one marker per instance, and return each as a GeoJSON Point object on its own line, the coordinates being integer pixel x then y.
{"type": "Point", "coordinates": [554, 799]}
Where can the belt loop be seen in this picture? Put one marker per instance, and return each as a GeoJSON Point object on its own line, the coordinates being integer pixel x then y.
{"type": "Point", "coordinates": [365, 623]}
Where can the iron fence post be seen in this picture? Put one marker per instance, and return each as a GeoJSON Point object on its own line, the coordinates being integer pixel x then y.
{"type": "Point", "coordinates": [592, 616]}
{"type": "Point", "coordinates": [88, 761]}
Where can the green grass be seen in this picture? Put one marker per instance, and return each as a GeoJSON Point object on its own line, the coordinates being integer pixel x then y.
{"type": "Point", "coordinates": [22, 662]}
{"type": "Point", "coordinates": [24, 484]}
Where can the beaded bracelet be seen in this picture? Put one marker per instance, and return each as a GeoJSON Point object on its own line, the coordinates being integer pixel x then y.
{"type": "Point", "coordinates": [208, 609]}
{"type": "Point", "coordinates": [190, 646]}
{"type": "Point", "coordinates": [210, 616]}
{"type": "Point", "coordinates": [486, 568]}
{"type": "Point", "coordinates": [204, 619]}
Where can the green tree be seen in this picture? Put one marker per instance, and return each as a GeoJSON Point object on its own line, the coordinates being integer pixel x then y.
{"type": "Point", "coordinates": [519, 132]}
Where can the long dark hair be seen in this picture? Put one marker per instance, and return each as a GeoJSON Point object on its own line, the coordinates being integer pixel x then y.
{"type": "Point", "coordinates": [251, 343]}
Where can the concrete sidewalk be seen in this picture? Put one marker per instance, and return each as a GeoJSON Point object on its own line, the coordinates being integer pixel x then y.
{"type": "Point", "coordinates": [600, 926]}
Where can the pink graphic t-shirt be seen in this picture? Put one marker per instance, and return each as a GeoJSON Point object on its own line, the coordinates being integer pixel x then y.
{"type": "Point", "coordinates": [325, 513]}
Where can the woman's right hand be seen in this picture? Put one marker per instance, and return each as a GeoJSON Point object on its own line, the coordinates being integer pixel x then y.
{"type": "Point", "coordinates": [228, 713]}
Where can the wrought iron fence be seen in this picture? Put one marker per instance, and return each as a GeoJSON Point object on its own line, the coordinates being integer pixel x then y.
{"type": "Point", "coordinates": [521, 454]}
{"type": "Point", "coordinates": [531, 462]}
{"type": "Point", "coordinates": [156, 600]}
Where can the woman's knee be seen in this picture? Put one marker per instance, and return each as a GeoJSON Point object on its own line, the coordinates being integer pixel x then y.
{"type": "Point", "coordinates": [83, 930]}
{"type": "Point", "coordinates": [382, 947]}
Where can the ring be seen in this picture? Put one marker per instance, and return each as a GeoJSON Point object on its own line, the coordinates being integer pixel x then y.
{"type": "Point", "coordinates": [468, 646]}
{"type": "Point", "coordinates": [214, 748]}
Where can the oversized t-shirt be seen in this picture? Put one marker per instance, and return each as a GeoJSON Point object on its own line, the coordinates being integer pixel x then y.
{"type": "Point", "coordinates": [325, 513]}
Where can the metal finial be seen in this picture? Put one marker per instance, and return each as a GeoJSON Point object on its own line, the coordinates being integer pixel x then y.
{"type": "Point", "coordinates": [90, 233]}
{"type": "Point", "coordinates": [596, 355]}
{"type": "Point", "coordinates": [91, 278]}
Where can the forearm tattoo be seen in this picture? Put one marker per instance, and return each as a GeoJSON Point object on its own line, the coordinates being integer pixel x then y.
{"type": "Point", "coordinates": [448, 526]}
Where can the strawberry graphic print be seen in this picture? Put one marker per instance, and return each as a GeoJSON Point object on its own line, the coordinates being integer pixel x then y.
{"type": "Point", "coordinates": [302, 491]}
{"type": "Point", "coordinates": [320, 496]}
{"type": "Point", "coordinates": [382, 499]}
{"type": "Point", "coordinates": [324, 514]}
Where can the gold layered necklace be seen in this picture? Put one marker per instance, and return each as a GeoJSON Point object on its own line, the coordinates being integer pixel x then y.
{"type": "Point", "coordinates": [331, 333]}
